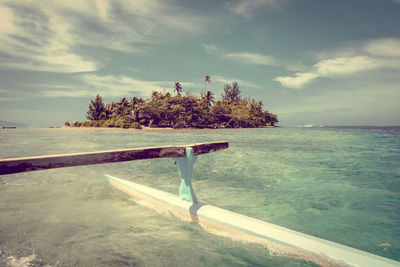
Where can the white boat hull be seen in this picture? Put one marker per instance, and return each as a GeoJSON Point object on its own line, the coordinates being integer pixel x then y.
{"type": "Point", "coordinates": [275, 238]}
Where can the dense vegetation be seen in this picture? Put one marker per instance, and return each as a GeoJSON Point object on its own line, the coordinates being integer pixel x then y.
{"type": "Point", "coordinates": [165, 110]}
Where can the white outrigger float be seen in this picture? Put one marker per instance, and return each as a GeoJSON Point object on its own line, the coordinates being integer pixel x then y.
{"type": "Point", "coordinates": [275, 238]}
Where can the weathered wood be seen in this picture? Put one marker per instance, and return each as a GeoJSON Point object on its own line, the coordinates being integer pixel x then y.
{"type": "Point", "coordinates": [203, 148]}
{"type": "Point", "coordinates": [16, 165]}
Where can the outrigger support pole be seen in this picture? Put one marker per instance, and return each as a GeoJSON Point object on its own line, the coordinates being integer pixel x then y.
{"type": "Point", "coordinates": [185, 165]}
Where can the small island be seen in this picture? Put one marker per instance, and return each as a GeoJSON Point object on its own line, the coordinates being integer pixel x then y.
{"type": "Point", "coordinates": [164, 110]}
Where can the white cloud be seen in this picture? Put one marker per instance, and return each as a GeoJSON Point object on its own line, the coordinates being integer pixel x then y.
{"type": "Point", "coordinates": [107, 86]}
{"type": "Point", "coordinates": [7, 16]}
{"type": "Point", "coordinates": [29, 43]}
{"type": "Point", "coordinates": [367, 56]}
{"type": "Point", "coordinates": [298, 80]}
{"type": "Point", "coordinates": [344, 65]}
{"type": "Point", "coordinates": [68, 93]}
{"type": "Point", "coordinates": [10, 99]}
{"type": "Point", "coordinates": [251, 58]}
{"type": "Point", "coordinates": [247, 7]}
{"type": "Point", "coordinates": [61, 62]}
{"type": "Point", "coordinates": [134, 69]}
{"type": "Point", "coordinates": [5, 96]}
{"type": "Point", "coordinates": [243, 57]}
{"type": "Point", "coordinates": [128, 26]}
{"type": "Point", "coordinates": [220, 80]}
{"type": "Point", "coordinates": [46, 35]}
{"type": "Point", "coordinates": [351, 106]}
{"type": "Point", "coordinates": [388, 47]}
{"type": "Point", "coordinates": [210, 48]}
{"type": "Point", "coordinates": [329, 68]}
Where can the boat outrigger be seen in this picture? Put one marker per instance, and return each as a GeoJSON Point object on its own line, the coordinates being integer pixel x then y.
{"type": "Point", "coordinates": [275, 238]}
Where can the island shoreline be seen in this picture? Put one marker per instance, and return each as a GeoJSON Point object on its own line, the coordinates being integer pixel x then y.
{"type": "Point", "coordinates": [149, 129]}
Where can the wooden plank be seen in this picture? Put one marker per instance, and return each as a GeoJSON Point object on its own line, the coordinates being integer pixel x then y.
{"type": "Point", "coordinates": [203, 148]}
{"type": "Point", "coordinates": [16, 165]}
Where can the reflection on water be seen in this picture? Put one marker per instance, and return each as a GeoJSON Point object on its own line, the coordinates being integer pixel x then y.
{"type": "Point", "coordinates": [338, 184]}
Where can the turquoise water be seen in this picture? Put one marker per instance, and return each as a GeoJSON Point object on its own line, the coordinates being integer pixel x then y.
{"type": "Point", "coordinates": [340, 184]}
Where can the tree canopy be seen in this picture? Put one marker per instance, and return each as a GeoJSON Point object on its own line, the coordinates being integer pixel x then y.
{"type": "Point", "coordinates": [96, 109]}
{"type": "Point", "coordinates": [165, 110]}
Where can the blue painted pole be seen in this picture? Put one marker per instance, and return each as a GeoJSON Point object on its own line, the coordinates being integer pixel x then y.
{"type": "Point", "coordinates": [185, 165]}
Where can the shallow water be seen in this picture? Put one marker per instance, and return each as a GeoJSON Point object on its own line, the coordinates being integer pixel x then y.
{"type": "Point", "coordinates": [340, 184]}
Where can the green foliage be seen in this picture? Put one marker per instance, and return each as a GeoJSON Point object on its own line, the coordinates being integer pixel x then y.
{"type": "Point", "coordinates": [109, 123]}
{"type": "Point", "coordinates": [178, 88]}
{"type": "Point", "coordinates": [124, 122]}
{"type": "Point", "coordinates": [135, 125]}
{"type": "Point", "coordinates": [208, 98]}
{"type": "Point", "coordinates": [231, 93]}
{"type": "Point", "coordinates": [76, 124]}
{"type": "Point", "coordinates": [164, 110]}
{"type": "Point", "coordinates": [119, 123]}
{"type": "Point", "coordinates": [98, 123]}
{"type": "Point", "coordinates": [220, 112]}
{"type": "Point", "coordinates": [96, 110]}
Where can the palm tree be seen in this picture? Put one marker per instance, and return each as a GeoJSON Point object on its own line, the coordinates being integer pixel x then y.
{"type": "Point", "coordinates": [136, 100]}
{"type": "Point", "coordinates": [206, 79]}
{"type": "Point", "coordinates": [209, 98]}
{"type": "Point", "coordinates": [124, 102]}
{"type": "Point", "coordinates": [178, 88]}
{"type": "Point", "coordinates": [154, 95]}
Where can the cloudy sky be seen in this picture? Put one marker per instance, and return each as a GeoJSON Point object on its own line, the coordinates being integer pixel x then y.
{"type": "Point", "coordinates": [310, 61]}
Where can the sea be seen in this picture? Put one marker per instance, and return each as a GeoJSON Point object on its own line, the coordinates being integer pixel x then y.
{"type": "Point", "coordinates": [337, 183]}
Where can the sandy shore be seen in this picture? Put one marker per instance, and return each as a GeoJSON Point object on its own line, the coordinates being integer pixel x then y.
{"type": "Point", "coordinates": [166, 129]}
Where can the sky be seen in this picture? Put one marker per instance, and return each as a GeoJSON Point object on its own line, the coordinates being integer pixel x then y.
{"type": "Point", "coordinates": [318, 62]}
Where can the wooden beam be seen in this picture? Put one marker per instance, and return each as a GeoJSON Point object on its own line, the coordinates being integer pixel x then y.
{"type": "Point", "coordinates": [203, 148]}
{"type": "Point", "coordinates": [16, 165]}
